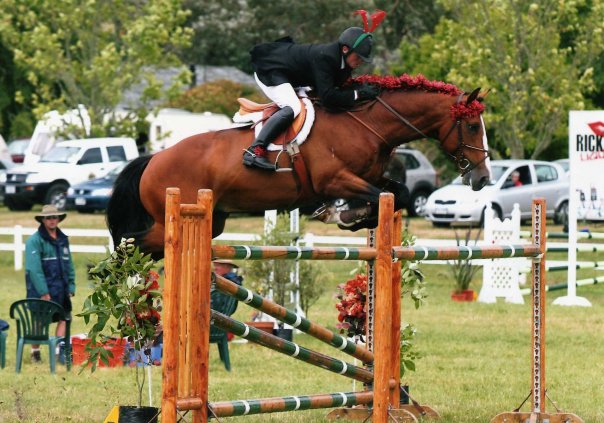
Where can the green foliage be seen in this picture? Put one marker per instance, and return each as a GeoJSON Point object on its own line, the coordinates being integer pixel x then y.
{"type": "Point", "coordinates": [216, 97]}
{"type": "Point", "coordinates": [536, 58]}
{"type": "Point", "coordinates": [408, 353]}
{"type": "Point", "coordinates": [314, 279]}
{"type": "Point", "coordinates": [225, 30]}
{"type": "Point", "coordinates": [124, 303]}
{"type": "Point", "coordinates": [90, 53]}
{"type": "Point", "coordinates": [412, 279]}
{"type": "Point", "coordinates": [268, 276]}
{"type": "Point", "coordinates": [460, 269]}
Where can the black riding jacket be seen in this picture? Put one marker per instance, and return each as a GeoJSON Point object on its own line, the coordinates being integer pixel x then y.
{"type": "Point", "coordinates": [320, 66]}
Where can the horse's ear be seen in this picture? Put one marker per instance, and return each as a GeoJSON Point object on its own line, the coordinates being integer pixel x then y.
{"type": "Point", "coordinates": [482, 96]}
{"type": "Point", "coordinates": [473, 95]}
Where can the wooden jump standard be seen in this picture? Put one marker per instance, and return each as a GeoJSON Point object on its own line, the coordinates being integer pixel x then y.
{"type": "Point", "coordinates": [188, 255]}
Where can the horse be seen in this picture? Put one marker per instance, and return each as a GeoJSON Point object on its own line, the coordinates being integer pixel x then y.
{"type": "Point", "coordinates": [345, 155]}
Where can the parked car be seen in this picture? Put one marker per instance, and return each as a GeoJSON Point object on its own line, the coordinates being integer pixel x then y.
{"type": "Point", "coordinates": [17, 148]}
{"type": "Point", "coordinates": [458, 203]}
{"type": "Point", "coordinates": [421, 177]}
{"type": "Point", "coordinates": [564, 163]}
{"type": "Point", "coordinates": [93, 195]}
{"type": "Point", "coordinates": [5, 165]}
{"type": "Point", "coordinates": [66, 164]}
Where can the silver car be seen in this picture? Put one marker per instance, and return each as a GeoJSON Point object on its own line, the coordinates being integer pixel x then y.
{"type": "Point", "coordinates": [420, 177]}
{"type": "Point", "coordinates": [458, 203]}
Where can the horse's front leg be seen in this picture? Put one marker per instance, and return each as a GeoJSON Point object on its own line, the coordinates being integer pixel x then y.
{"type": "Point", "coordinates": [400, 191]}
{"type": "Point", "coordinates": [363, 198]}
{"type": "Point", "coordinates": [363, 201]}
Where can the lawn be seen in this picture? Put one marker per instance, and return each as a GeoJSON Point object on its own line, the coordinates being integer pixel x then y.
{"type": "Point", "coordinates": [476, 357]}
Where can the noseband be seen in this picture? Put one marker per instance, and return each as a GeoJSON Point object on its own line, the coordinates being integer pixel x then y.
{"type": "Point", "coordinates": [464, 165]}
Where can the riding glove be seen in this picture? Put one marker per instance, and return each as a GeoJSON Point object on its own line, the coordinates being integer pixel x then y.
{"type": "Point", "coordinates": [367, 92]}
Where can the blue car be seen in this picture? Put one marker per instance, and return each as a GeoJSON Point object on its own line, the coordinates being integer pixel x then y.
{"type": "Point", "coordinates": [92, 195]}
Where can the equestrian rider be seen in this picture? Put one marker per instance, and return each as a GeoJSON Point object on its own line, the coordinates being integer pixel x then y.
{"type": "Point", "coordinates": [282, 65]}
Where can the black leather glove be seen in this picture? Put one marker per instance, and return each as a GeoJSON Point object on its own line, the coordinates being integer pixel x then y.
{"type": "Point", "coordinates": [367, 92]}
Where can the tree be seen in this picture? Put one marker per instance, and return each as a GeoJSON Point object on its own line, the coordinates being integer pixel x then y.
{"type": "Point", "coordinates": [216, 97]}
{"type": "Point", "coordinates": [89, 53]}
{"type": "Point", "coordinates": [536, 57]}
{"type": "Point", "coordinates": [16, 118]}
{"type": "Point", "coordinates": [225, 30]}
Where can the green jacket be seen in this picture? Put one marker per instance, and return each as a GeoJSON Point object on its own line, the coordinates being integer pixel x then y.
{"type": "Point", "coordinates": [49, 266]}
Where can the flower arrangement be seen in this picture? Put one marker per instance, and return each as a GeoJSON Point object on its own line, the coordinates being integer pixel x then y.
{"type": "Point", "coordinates": [353, 307]}
{"type": "Point", "coordinates": [126, 300]}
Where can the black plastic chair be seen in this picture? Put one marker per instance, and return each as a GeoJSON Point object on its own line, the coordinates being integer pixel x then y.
{"type": "Point", "coordinates": [34, 318]}
{"type": "Point", "coordinates": [3, 335]}
{"type": "Point", "coordinates": [226, 305]}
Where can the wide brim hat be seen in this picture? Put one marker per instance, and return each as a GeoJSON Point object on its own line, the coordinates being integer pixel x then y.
{"type": "Point", "coordinates": [50, 210]}
{"type": "Point", "coordinates": [225, 261]}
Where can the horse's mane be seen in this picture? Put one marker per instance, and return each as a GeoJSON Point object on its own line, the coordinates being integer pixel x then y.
{"type": "Point", "coordinates": [419, 82]}
{"type": "Point", "coordinates": [407, 82]}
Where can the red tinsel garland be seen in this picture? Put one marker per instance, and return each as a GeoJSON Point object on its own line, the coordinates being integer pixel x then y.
{"type": "Point", "coordinates": [420, 82]}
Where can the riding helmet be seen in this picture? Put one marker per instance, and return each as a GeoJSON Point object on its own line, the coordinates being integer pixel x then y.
{"type": "Point", "coordinates": [358, 41]}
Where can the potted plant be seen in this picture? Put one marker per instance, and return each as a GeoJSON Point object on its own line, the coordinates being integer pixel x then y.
{"type": "Point", "coordinates": [463, 271]}
{"type": "Point", "coordinates": [352, 318]}
{"type": "Point", "coordinates": [124, 304]}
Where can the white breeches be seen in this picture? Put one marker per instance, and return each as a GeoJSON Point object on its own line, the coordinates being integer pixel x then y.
{"type": "Point", "coordinates": [283, 95]}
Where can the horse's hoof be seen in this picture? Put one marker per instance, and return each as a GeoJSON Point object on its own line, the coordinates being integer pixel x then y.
{"type": "Point", "coordinates": [326, 214]}
{"type": "Point", "coordinates": [363, 224]}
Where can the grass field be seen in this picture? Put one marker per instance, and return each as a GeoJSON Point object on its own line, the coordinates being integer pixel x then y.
{"type": "Point", "coordinates": [476, 363]}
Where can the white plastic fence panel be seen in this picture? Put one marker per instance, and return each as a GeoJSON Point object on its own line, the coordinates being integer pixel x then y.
{"type": "Point", "coordinates": [500, 277]}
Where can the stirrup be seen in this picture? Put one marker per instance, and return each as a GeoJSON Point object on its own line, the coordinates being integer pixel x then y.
{"type": "Point", "coordinates": [281, 169]}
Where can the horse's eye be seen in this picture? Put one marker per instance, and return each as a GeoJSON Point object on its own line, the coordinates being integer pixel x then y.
{"type": "Point", "coordinates": [473, 127]}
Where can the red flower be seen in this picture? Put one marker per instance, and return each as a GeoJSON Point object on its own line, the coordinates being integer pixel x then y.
{"type": "Point", "coordinates": [352, 306]}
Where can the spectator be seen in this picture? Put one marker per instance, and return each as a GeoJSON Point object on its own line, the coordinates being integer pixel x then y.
{"type": "Point", "coordinates": [516, 179]}
{"type": "Point", "coordinates": [49, 271]}
{"type": "Point", "coordinates": [227, 269]}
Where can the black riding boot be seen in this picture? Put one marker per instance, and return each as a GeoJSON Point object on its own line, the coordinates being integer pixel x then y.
{"type": "Point", "coordinates": [255, 155]}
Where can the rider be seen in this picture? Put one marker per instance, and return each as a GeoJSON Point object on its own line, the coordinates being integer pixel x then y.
{"type": "Point", "coordinates": [282, 65]}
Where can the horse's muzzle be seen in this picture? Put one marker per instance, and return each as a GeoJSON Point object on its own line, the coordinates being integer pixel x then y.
{"type": "Point", "coordinates": [477, 183]}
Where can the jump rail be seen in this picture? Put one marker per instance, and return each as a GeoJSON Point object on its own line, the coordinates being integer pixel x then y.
{"type": "Point", "coordinates": [188, 255]}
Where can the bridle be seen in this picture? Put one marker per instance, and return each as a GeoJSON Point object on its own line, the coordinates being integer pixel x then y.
{"type": "Point", "coordinates": [464, 165]}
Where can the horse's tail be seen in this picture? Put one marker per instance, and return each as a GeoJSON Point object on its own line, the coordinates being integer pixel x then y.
{"type": "Point", "coordinates": [126, 216]}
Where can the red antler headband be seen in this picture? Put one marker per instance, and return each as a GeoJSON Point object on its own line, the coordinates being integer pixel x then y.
{"type": "Point", "coordinates": [377, 17]}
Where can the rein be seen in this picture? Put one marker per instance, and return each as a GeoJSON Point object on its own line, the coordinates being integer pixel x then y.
{"type": "Point", "coordinates": [464, 165]}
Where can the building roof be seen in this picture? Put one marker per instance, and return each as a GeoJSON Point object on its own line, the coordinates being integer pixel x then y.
{"type": "Point", "coordinates": [202, 75]}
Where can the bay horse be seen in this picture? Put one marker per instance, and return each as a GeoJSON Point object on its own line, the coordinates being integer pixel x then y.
{"type": "Point", "coordinates": [345, 155]}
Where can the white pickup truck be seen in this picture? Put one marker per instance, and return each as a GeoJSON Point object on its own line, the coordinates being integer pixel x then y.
{"type": "Point", "coordinates": [67, 163]}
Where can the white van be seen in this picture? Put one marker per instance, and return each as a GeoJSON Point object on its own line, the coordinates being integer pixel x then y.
{"type": "Point", "coordinates": [170, 126]}
{"type": "Point", "coordinates": [67, 163]}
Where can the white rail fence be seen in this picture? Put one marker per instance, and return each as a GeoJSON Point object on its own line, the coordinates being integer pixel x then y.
{"type": "Point", "coordinates": [19, 234]}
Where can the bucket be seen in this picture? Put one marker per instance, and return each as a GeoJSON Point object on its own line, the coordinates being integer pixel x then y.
{"type": "Point", "coordinates": [131, 414]}
{"type": "Point", "coordinates": [79, 354]}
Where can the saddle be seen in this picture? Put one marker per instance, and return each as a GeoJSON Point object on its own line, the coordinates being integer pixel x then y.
{"type": "Point", "coordinates": [254, 113]}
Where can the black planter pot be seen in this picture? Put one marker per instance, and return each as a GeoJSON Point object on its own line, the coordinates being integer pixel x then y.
{"type": "Point", "coordinates": [287, 334]}
{"type": "Point", "coordinates": [404, 392]}
{"type": "Point", "coordinates": [131, 414]}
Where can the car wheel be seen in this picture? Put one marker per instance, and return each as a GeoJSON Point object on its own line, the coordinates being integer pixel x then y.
{"type": "Point", "coordinates": [561, 215]}
{"type": "Point", "coordinates": [17, 204]}
{"type": "Point", "coordinates": [418, 203]}
{"type": "Point", "coordinates": [57, 195]}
